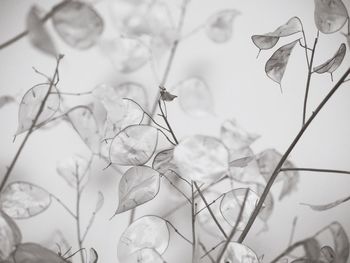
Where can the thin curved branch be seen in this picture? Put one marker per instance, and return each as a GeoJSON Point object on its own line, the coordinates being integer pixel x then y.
{"type": "Point", "coordinates": [234, 229]}
{"type": "Point", "coordinates": [286, 154]}
{"type": "Point", "coordinates": [32, 127]}
{"type": "Point", "coordinates": [177, 231]}
{"type": "Point", "coordinates": [210, 211]}
{"type": "Point", "coordinates": [308, 81]}
{"type": "Point", "coordinates": [315, 170]}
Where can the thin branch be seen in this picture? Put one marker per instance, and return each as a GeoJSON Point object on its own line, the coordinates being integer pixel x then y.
{"type": "Point", "coordinates": [178, 232]}
{"type": "Point", "coordinates": [147, 114]}
{"type": "Point", "coordinates": [53, 10]}
{"type": "Point", "coordinates": [193, 221]}
{"type": "Point", "coordinates": [167, 137]}
{"type": "Point", "coordinates": [58, 200]}
{"type": "Point", "coordinates": [180, 177]}
{"type": "Point", "coordinates": [291, 238]}
{"type": "Point", "coordinates": [305, 44]}
{"type": "Point", "coordinates": [286, 154]}
{"type": "Point", "coordinates": [211, 203]}
{"type": "Point", "coordinates": [184, 203]}
{"type": "Point", "coordinates": [308, 81]}
{"type": "Point", "coordinates": [167, 122]}
{"type": "Point", "coordinates": [318, 170]}
{"type": "Point", "coordinates": [32, 127]}
{"type": "Point", "coordinates": [210, 211]}
{"type": "Point", "coordinates": [234, 229]}
{"type": "Point", "coordinates": [79, 237]}
{"type": "Point", "coordinates": [206, 251]}
{"type": "Point", "coordinates": [179, 190]}
{"type": "Point", "coordinates": [172, 53]}
{"type": "Point", "coordinates": [207, 254]}
{"type": "Point", "coordinates": [73, 94]}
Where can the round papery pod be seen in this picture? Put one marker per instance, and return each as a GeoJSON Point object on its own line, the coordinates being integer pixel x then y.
{"type": "Point", "coordinates": [206, 221]}
{"type": "Point", "coordinates": [232, 203]}
{"type": "Point", "coordinates": [201, 158]}
{"type": "Point", "coordinates": [146, 232]}
{"type": "Point", "coordinates": [145, 255]}
{"type": "Point", "coordinates": [238, 253]}
{"type": "Point", "coordinates": [78, 24]}
{"type": "Point", "coordinates": [34, 253]}
{"type": "Point", "coordinates": [10, 236]}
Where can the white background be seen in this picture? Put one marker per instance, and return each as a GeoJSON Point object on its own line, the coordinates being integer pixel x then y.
{"type": "Point", "coordinates": [240, 90]}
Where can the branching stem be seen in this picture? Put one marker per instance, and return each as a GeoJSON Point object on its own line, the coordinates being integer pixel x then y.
{"type": "Point", "coordinates": [286, 154]}
{"type": "Point", "coordinates": [32, 127]}
{"type": "Point", "coordinates": [210, 211]}
{"type": "Point", "coordinates": [308, 81]}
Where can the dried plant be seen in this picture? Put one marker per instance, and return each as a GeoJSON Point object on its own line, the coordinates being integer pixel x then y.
{"type": "Point", "coordinates": [224, 185]}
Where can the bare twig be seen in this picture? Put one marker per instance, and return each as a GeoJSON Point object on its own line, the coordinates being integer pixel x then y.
{"type": "Point", "coordinates": [184, 203]}
{"type": "Point", "coordinates": [211, 203]}
{"type": "Point", "coordinates": [167, 122]}
{"type": "Point", "coordinates": [32, 127]}
{"type": "Point", "coordinates": [308, 81]}
{"type": "Point", "coordinates": [234, 229]}
{"type": "Point", "coordinates": [58, 200]}
{"type": "Point", "coordinates": [210, 211]}
{"type": "Point", "coordinates": [318, 170]}
{"type": "Point", "coordinates": [178, 232]}
{"type": "Point", "coordinates": [179, 190]}
{"type": "Point", "coordinates": [79, 237]}
{"type": "Point", "coordinates": [206, 251]}
{"type": "Point", "coordinates": [291, 238]}
{"type": "Point", "coordinates": [193, 221]}
{"type": "Point", "coordinates": [172, 53]}
{"type": "Point", "coordinates": [286, 154]}
{"type": "Point", "coordinates": [166, 73]}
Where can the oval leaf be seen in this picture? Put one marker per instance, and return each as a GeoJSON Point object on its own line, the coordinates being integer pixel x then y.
{"type": "Point", "coordinates": [31, 104]}
{"type": "Point", "coordinates": [268, 160]}
{"type": "Point", "coordinates": [330, 15]}
{"type": "Point", "coordinates": [195, 97]}
{"type": "Point", "coordinates": [327, 254]}
{"type": "Point", "coordinates": [206, 221]}
{"type": "Point", "coordinates": [85, 124]}
{"type": "Point", "coordinates": [329, 205]}
{"type": "Point", "coordinates": [201, 158]}
{"type": "Point", "coordinates": [164, 162]}
{"type": "Point", "coordinates": [34, 253]}
{"type": "Point", "coordinates": [219, 26]}
{"type": "Point", "coordinates": [341, 242]}
{"type": "Point", "coordinates": [73, 170]}
{"type": "Point", "coordinates": [78, 24]}
{"type": "Point", "coordinates": [277, 63]}
{"type": "Point", "coordinates": [38, 35]}
{"type": "Point", "coordinates": [134, 145]}
{"type": "Point", "coordinates": [146, 232]}
{"type": "Point", "coordinates": [146, 255]}
{"type": "Point", "coordinates": [138, 185]}
{"type": "Point", "coordinates": [231, 205]}
{"type": "Point", "coordinates": [10, 236]}
{"type": "Point", "coordinates": [235, 137]}
{"type": "Point", "coordinates": [269, 40]}
{"type": "Point", "coordinates": [23, 200]}
{"type": "Point", "coordinates": [93, 256]}
{"type": "Point", "coordinates": [238, 253]}
{"type": "Point", "coordinates": [332, 64]}
{"type": "Point", "coordinates": [126, 54]}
